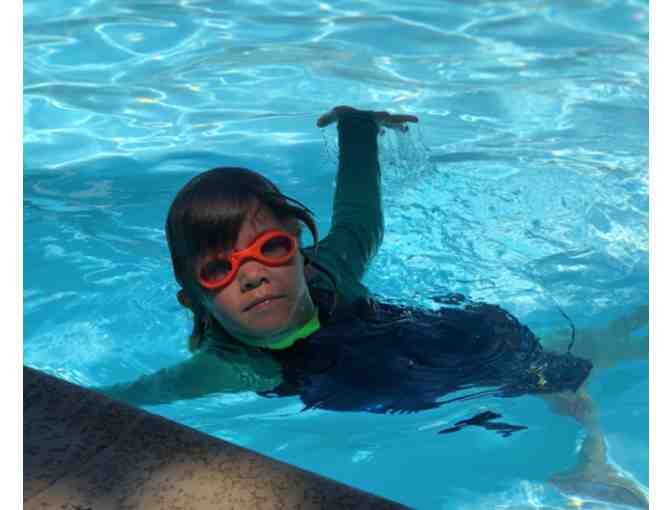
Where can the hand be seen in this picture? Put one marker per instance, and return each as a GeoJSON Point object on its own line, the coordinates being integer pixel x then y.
{"type": "Point", "coordinates": [384, 119]}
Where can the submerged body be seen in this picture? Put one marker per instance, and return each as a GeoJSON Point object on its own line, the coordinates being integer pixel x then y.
{"type": "Point", "coordinates": [394, 359]}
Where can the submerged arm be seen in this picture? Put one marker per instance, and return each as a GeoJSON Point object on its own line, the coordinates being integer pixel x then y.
{"type": "Point", "coordinates": [202, 374]}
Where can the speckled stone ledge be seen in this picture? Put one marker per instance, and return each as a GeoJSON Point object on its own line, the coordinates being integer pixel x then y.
{"type": "Point", "coordinates": [84, 451]}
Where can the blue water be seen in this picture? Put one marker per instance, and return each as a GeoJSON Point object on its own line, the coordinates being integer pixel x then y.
{"type": "Point", "coordinates": [525, 184]}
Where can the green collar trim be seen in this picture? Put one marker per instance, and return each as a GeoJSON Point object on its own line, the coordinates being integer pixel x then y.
{"type": "Point", "coordinates": [307, 329]}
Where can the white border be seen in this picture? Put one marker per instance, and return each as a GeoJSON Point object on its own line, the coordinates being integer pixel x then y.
{"type": "Point", "coordinates": [12, 266]}
{"type": "Point", "coordinates": [12, 217]}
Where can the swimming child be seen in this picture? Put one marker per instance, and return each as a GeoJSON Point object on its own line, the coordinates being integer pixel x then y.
{"type": "Point", "coordinates": [278, 318]}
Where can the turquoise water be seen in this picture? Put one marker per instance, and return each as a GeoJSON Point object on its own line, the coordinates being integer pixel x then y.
{"type": "Point", "coordinates": [526, 184]}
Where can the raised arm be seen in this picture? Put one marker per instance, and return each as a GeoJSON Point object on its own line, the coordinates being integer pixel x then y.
{"type": "Point", "coordinates": [204, 373]}
{"type": "Point", "coordinates": [357, 224]}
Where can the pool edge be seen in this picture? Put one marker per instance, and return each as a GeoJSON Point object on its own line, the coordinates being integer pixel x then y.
{"type": "Point", "coordinates": [83, 450]}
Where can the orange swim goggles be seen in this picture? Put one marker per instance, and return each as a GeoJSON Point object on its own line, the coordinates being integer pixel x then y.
{"type": "Point", "coordinates": [272, 248]}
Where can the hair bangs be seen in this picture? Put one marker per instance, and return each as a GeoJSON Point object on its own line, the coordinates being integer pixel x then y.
{"type": "Point", "coordinates": [210, 221]}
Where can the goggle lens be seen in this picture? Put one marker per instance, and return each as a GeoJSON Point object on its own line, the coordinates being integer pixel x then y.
{"type": "Point", "coordinates": [216, 270]}
{"type": "Point", "coordinates": [277, 247]}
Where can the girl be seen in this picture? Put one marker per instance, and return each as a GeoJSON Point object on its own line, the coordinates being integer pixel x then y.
{"type": "Point", "coordinates": [273, 317]}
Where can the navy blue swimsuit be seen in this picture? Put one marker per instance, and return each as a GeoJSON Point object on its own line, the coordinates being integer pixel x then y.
{"type": "Point", "coordinates": [382, 358]}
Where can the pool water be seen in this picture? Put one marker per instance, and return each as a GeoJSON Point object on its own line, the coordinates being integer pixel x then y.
{"type": "Point", "coordinates": [525, 184]}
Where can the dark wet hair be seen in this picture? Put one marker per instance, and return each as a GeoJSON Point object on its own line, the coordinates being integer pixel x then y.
{"type": "Point", "coordinates": [207, 214]}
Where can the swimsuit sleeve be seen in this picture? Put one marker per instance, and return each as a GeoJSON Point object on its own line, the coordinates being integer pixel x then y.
{"type": "Point", "coordinates": [206, 372]}
{"type": "Point", "coordinates": [357, 223]}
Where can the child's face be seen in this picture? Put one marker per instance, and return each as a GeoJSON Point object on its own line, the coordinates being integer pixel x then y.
{"type": "Point", "coordinates": [291, 305]}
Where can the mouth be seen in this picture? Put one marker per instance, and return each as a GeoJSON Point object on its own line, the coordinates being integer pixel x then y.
{"type": "Point", "coordinates": [261, 302]}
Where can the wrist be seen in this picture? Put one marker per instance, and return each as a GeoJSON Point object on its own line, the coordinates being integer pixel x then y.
{"type": "Point", "coordinates": [357, 115]}
{"type": "Point", "coordinates": [358, 120]}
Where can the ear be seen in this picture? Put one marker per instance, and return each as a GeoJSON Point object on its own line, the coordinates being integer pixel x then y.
{"type": "Point", "coordinates": [183, 299]}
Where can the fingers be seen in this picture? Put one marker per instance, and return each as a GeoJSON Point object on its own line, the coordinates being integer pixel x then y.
{"type": "Point", "coordinates": [405, 118]}
{"type": "Point", "coordinates": [326, 119]}
{"type": "Point", "coordinates": [392, 120]}
{"type": "Point", "coordinates": [397, 122]}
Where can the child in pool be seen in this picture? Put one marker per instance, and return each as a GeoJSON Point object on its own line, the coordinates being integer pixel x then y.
{"type": "Point", "coordinates": [278, 319]}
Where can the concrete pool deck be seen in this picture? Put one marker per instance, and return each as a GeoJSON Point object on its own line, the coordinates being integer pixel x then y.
{"type": "Point", "coordinates": [84, 451]}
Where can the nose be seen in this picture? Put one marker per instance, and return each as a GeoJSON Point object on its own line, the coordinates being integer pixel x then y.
{"type": "Point", "coordinates": [251, 274]}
